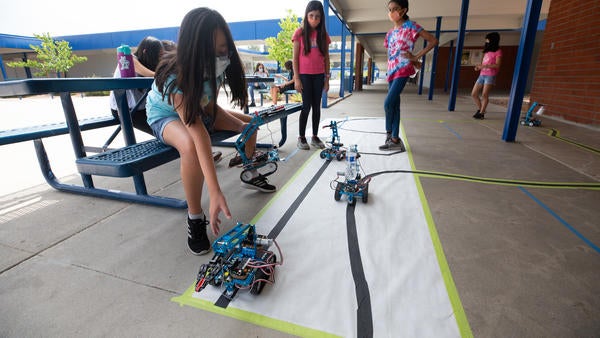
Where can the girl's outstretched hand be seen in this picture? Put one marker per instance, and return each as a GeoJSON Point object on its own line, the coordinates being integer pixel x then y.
{"type": "Point", "coordinates": [218, 204]}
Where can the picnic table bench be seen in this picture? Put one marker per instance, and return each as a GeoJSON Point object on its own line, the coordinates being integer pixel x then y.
{"type": "Point", "coordinates": [287, 93]}
{"type": "Point", "coordinates": [132, 160]}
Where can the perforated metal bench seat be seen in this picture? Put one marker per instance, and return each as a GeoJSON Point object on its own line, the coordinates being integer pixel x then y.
{"type": "Point", "coordinates": [135, 159]}
{"type": "Point", "coordinates": [128, 161]}
{"type": "Point", "coordinates": [287, 93]}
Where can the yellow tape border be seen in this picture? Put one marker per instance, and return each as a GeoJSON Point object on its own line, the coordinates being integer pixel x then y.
{"type": "Point", "coordinates": [251, 317]}
{"type": "Point", "coordinates": [459, 311]}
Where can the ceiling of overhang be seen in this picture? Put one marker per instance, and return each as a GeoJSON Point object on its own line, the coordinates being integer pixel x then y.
{"type": "Point", "coordinates": [368, 20]}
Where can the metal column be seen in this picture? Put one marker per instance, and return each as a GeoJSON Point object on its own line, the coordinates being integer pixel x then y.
{"type": "Point", "coordinates": [423, 61]}
{"type": "Point", "coordinates": [464, 12]}
{"type": "Point", "coordinates": [530, 22]}
{"type": "Point", "coordinates": [449, 66]}
{"type": "Point", "coordinates": [438, 28]}
{"type": "Point", "coordinates": [326, 9]}
{"type": "Point", "coordinates": [352, 42]}
{"type": "Point", "coordinates": [343, 61]}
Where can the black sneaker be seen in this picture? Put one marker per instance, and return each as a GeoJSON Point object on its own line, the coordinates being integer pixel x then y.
{"type": "Point", "coordinates": [197, 238]}
{"type": "Point", "coordinates": [217, 156]}
{"type": "Point", "coordinates": [252, 104]}
{"type": "Point", "coordinates": [237, 160]}
{"type": "Point", "coordinates": [259, 183]}
{"type": "Point", "coordinates": [479, 116]}
{"type": "Point", "coordinates": [390, 145]}
{"type": "Point", "coordinates": [477, 113]}
{"type": "Point", "coordinates": [258, 156]}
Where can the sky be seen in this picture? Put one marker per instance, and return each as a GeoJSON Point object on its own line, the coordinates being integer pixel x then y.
{"type": "Point", "coordinates": [73, 17]}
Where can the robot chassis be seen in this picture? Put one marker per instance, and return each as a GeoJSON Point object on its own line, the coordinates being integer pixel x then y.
{"type": "Point", "coordinates": [242, 260]}
{"type": "Point", "coordinates": [334, 148]}
{"type": "Point", "coordinates": [531, 121]}
{"type": "Point", "coordinates": [266, 164]}
{"type": "Point", "coordinates": [353, 186]}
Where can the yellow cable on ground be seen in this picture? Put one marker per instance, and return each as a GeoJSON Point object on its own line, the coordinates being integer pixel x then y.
{"type": "Point", "coordinates": [556, 134]}
{"type": "Point", "coordinates": [496, 181]}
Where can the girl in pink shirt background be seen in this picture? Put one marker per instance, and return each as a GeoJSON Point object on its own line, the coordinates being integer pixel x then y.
{"type": "Point", "coordinates": [488, 69]}
{"type": "Point", "coordinates": [311, 69]}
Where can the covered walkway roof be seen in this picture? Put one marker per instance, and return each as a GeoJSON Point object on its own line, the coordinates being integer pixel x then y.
{"type": "Point", "coordinates": [368, 20]}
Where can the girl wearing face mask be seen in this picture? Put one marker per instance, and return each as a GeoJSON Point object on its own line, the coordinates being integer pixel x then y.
{"type": "Point", "coordinates": [488, 69]}
{"type": "Point", "coordinates": [259, 71]}
{"type": "Point", "coordinates": [182, 111]}
{"type": "Point", "coordinates": [400, 41]}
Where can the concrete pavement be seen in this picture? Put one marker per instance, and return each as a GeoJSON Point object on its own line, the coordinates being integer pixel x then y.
{"type": "Point", "coordinates": [524, 259]}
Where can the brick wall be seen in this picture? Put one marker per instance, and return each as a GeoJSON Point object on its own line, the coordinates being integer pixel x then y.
{"type": "Point", "coordinates": [567, 76]}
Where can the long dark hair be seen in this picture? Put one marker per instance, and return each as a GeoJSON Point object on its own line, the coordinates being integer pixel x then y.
{"type": "Point", "coordinates": [321, 29]}
{"type": "Point", "coordinates": [494, 43]}
{"type": "Point", "coordinates": [193, 63]}
{"type": "Point", "coordinates": [256, 69]}
{"type": "Point", "coordinates": [402, 4]}
{"type": "Point", "coordinates": [149, 51]}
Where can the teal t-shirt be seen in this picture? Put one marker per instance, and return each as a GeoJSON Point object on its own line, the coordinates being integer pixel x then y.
{"type": "Point", "coordinates": [158, 107]}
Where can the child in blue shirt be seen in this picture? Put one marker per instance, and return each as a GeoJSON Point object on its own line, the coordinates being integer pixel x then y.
{"type": "Point", "coordinates": [182, 111]}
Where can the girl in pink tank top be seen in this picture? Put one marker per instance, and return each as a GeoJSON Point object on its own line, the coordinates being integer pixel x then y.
{"type": "Point", "coordinates": [311, 69]}
{"type": "Point", "coordinates": [488, 69]}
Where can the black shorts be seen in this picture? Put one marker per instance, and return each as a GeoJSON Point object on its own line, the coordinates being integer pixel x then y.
{"type": "Point", "coordinates": [286, 88]}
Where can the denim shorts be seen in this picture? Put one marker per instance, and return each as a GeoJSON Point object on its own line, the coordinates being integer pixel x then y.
{"type": "Point", "coordinates": [159, 126]}
{"type": "Point", "coordinates": [486, 80]}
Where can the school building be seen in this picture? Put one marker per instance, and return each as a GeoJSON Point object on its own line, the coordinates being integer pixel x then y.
{"type": "Point", "coordinates": [563, 73]}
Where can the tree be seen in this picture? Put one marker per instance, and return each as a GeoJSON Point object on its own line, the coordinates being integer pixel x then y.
{"type": "Point", "coordinates": [281, 48]}
{"type": "Point", "coordinates": [52, 56]}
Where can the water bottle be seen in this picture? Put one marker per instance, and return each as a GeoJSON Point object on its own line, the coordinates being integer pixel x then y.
{"type": "Point", "coordinates": [541, 110]}
{"type": "Point", "coordinates": [125, 61]}
{"type": "Point", "coordinates": [351, 164]}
